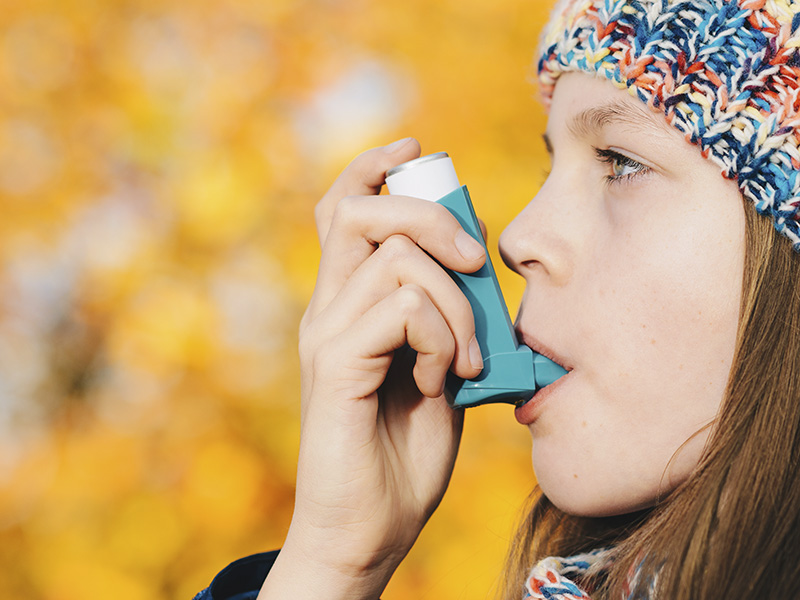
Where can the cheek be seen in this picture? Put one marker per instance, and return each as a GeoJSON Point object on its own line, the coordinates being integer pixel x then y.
{"type": "Point", "coordinates": [657, 323]}
{"type": "Point", "coordinates": [678, 319]}
{"type": "Point", "coordinates": [679, 265]}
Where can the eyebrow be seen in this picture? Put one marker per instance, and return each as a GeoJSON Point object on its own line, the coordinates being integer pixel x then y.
{"type": "Point", "coordinates": [593, 120]}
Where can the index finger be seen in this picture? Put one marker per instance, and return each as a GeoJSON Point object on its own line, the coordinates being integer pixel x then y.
{"type": "Point", "coordinates": [364, 176]}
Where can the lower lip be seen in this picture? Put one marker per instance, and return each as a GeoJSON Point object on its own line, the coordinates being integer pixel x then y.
{"type": "Point", "coordinates": [530, 411]}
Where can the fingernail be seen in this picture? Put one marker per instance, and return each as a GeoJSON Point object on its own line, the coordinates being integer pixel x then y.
{"type": "Point", "coordinates": [468, 246]}
{"type": "Point", "coordinates": [474, 351]}
{"type": "Point", "coordinates": [395, 146]}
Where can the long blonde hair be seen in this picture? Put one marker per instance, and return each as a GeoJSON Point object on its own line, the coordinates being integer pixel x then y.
{"type": "Point", "coordinates": [732, 530]}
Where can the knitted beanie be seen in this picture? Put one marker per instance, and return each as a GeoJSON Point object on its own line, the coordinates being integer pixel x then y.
{"type": "Point", "coordinates": [723, 73]}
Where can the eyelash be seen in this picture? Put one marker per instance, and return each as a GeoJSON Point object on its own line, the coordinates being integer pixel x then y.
{"type": "Point", "coordinates": [612, 159]}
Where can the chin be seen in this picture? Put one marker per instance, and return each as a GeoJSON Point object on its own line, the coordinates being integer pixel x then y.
{"type": "Point", "coordinates": [595, 498]}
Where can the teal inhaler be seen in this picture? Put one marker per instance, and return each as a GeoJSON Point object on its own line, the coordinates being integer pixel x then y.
{"type": "Point", "coordinates": [512, 372]}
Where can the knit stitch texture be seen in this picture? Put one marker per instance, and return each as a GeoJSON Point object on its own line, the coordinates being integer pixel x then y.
{"type": "Point", "coordinates": [554, 578]}
{"type": "Point", "coordinates": [723, 73]}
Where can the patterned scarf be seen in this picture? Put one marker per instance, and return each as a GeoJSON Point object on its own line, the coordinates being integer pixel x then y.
{"type": "Point", "coordinates": [554, 578]}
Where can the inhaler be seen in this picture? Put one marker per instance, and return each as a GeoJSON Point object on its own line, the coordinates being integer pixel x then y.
{"type": "Point", "coordinates": [512, 372]}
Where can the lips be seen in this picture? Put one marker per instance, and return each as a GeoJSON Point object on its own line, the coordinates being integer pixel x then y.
{"type": "Point", "coordinates": [528, 413]}
{"type": "Point", "coordinates": [540, 348]}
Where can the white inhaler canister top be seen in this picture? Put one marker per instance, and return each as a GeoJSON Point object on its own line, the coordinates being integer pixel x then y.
{"type": "Point", "coordinates": [429, 177]}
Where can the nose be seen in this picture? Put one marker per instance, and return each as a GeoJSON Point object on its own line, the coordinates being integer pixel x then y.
{"type": "Point", "coordinates": [543, 240]}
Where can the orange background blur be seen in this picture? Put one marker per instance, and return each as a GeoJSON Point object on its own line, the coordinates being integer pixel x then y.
{"type": "Point", "coordinates": [159, 164]}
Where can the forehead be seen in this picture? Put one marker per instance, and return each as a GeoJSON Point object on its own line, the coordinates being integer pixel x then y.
{"type": "Point", "coordinates": [585, 105]}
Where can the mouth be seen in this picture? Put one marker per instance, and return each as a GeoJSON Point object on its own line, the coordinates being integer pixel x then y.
{"type": "Point", "coordinates": [540, 348]}
{"type": "Point", "coordinates": [527, 410]}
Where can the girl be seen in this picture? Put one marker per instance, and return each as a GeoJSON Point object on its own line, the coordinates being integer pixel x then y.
{"type": "Point", "coordinates": [668, 458]}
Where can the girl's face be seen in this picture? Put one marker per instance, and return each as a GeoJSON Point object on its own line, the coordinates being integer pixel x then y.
{"type": "Point", "coordinates": [632, 252]}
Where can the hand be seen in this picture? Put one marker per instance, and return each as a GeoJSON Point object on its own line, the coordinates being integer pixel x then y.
{"type": "Point", "coordinates": [385, 324]}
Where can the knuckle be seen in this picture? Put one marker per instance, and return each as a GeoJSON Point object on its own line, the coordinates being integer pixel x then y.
{"type": "Point", "coordinates": [347, 213]}
{"type": "Point", "coordinates": [306, 345]}
{"type": "Point", "coordinates": [396, 247]}
{"type": "Point", "coordinates": [325, 207]}
{"type": "Point", "coordinates": [347, 208]}
{"type": "Point", "coordinates": [411, 299]}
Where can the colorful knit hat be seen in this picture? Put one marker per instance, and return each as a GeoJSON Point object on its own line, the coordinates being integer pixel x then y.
{"type": "Point", "coordinates": [724, 73]}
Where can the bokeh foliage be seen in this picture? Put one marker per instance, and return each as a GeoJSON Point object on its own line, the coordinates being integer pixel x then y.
{"type": "Point", "coordinates": [159, 164]}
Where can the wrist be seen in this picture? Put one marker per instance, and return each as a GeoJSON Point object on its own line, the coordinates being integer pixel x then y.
{"type": "Point", "coordinates": [301, 572]}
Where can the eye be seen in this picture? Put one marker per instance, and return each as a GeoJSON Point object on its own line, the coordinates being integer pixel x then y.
{"type": "Point", "coordinates": [623, 168]}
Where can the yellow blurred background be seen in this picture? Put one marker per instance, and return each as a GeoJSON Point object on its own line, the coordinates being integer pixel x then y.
{"type": "Point", "coordinates": [159, 164]}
